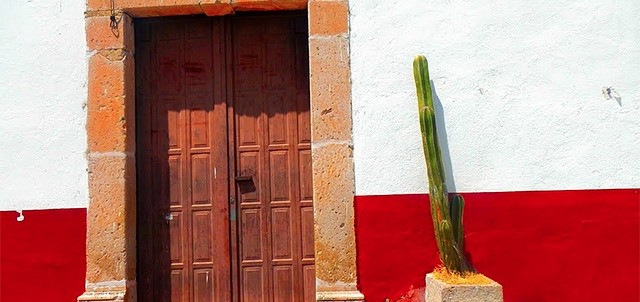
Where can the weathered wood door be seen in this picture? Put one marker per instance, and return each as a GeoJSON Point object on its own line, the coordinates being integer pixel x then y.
{"type": "Point", "coordinates": [183, 189]}
{"type": "Point", "coordinates": [223, 160]}
{"type": "Point", "coordinates": [273, 153]}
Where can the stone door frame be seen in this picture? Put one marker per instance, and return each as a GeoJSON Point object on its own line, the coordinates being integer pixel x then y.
{"type": "Point", "coordinates": [111, 215]}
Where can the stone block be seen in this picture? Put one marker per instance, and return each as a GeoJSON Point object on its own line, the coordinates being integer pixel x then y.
{"type": "Point", "coordinates": [110, 114]}
{"type": "Point", "coordinates": [162, 10]}
{"type": "Point", "coordinates": [268, 5]}
{"type": "Point", "coordinates": [141, 5]}
{"type": "Point", "coordinates": [333, 189]}
{"type": "Point", "coordinates": [216, 7]}
{"type": "Point", "coordinates": [330, 89]}
{"type": "Point", "coordinates": [100, 35]}
{"type": "Point", "coordinates": [111, 218]}
{"type": "Point", "coordinates": [340, 296]}
{"type": "Point", "coordinates": [439, 291]}
{"type": "Point", "coordinates": [328, 18]}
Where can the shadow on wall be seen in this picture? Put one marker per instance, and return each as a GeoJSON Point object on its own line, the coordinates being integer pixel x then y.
{"type": "Point", "coordinates": [444, 140]}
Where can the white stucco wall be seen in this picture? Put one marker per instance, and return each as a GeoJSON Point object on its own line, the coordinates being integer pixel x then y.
{"type": "Point", "coordinates": [42, 92]}
{"type": "Point", "coordinates": [520, 84]}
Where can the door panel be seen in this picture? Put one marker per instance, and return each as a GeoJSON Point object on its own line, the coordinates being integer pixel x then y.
{"type": "Point", "coordinates": [183, 248]}
{"type": "Point", "coordinates": [194, 242]}
{"type": "Point", "coordinates": [271, 102]}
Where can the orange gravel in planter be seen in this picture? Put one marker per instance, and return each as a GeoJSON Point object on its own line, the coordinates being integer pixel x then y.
{"type": "Point", "coordinates": [442, 273]}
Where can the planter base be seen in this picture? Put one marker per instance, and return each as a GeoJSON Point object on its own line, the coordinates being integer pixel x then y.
{"type": "Point", "coordinates": [439, 291]}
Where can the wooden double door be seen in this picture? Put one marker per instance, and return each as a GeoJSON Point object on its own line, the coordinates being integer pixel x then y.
{"type": "Point", "coordinates": [224, 193]}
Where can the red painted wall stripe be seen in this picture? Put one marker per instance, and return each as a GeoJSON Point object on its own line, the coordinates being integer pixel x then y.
{"type": "Point", "coordinates": [43, 257]}
{"type": "Point", "coordinates": [541, 246]}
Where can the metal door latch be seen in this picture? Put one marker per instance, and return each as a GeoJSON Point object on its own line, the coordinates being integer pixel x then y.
{"type": "Point", "coordinates": [168, 217]}
{"type": "Point", "coordinates": [232, 208]}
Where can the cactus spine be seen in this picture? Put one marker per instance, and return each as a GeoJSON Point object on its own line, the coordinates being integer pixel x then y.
{"type": "Point", "coordinates": [446, 215]}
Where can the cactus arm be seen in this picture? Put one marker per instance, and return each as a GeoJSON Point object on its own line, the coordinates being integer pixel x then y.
{"type": "Point", "coordinates": [428, 127]}
{"type": "Point", "coordinates": [456, 208]}
{"type": "Point", "coordinates": [421, 76]}
{"type": "Point", "coordinates": [449, 255]}
{"type": "Point", "coordinates": [423, 82]}
{"type": "Point", "coordinates": [426, 123]}
{"type": "Point", "coordinates": [436, 173]}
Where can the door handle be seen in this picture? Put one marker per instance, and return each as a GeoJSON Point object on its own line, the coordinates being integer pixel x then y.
{"type": "Point", "coordinates": [244, 178]}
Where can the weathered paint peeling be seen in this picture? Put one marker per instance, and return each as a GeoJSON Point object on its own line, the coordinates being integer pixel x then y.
{"type": "Point", "coordinates": [20, 217]}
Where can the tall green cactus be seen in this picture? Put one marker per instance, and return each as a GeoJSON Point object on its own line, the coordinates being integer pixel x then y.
{"type": "Point", "coordinates": [446, 215]}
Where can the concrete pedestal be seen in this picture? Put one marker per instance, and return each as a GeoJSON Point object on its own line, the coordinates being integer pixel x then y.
{"type": "Point", "coordinates": [439, 291]}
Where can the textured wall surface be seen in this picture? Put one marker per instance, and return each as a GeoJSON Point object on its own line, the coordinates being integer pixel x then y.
{"type": "Point", "coordinates": [519, 82]}
{"type": "Point", "coordinates": [43, 92]}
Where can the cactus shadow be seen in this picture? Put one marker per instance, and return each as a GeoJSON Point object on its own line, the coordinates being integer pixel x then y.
{"type": "Point", "coordinates": [443, 139]}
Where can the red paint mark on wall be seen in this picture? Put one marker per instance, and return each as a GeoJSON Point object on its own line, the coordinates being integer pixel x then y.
{"type": "Point", "coordinates": [42, 258]}
{"type": "Point", "coordinates": [541, 246]}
